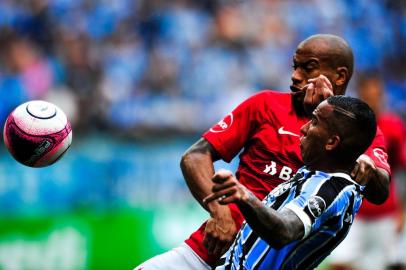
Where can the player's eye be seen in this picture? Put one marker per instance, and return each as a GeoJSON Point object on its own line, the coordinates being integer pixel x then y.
{"type": "Point", "coordinates": [309, 68]}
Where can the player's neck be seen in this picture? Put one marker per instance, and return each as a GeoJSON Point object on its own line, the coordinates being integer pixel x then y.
{"type": "Point", "coordinates": [331, 167]}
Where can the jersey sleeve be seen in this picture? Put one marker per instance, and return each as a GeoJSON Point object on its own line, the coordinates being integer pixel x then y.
{"type": "Point", "coordinates": [378, 153]}
{"type": "Point", "coordinates": [319, 202]}
{"type": "Point", "coordinates": [398, 145]}
{"type": "Point", "coordinates": [229, 135]}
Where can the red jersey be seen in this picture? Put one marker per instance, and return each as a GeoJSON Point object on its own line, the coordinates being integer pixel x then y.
{"type": "Point", "coordinates": [267, 129]}
{"type": "Point", "coordinates": [395, 136]}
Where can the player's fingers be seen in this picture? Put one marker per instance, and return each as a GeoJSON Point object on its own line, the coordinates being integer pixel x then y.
{"type": "Point", "coordinates": [355, 170]}
{"type": "Point", "coordinates": [218, 247]}
{"type": "Point", "coordinates": [323, 87]}
{"type": "Point", "coordinates": [224, 185]}
{"type": "Point", "coordinates": [220, 195]}
{"type": "Point", "coordinates": [211, 197]}
{"type": "Point", "coordinates": [308, 98]}
{"type": "Point", "coordinates": [326, 81]}
{"type": "Point", "coordinates": [321, 80]}
{"type": "Point", "coordinates": [229, 199]}
{"type": "Point", "coordinates": [224, 249]}
{"type": "Point", "coordinates": [221, 176]}
{"type": "Point", "coordinates": [360, 177]}
{"type": "Point", "coordinates": [210, 236]}
{"type": "Point", "coordinates": [209, 243]}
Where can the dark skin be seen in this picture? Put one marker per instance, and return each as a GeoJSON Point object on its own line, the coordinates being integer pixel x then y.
{"type": "Point", "coordinates": [281, 228]}
{"type": "Point", "coordinates": [322, 66]}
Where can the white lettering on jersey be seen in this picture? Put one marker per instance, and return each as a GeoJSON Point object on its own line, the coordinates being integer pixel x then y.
{"type": "Point", "coordinates": [285, 173]}
{"type": "Point", "coordinates": [223, 124]}
{"type": "Point", "coordinates": [270, 169]}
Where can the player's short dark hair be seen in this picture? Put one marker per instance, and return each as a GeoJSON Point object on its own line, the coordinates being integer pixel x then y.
{"type": "Point", "coordinates": [355, 123]}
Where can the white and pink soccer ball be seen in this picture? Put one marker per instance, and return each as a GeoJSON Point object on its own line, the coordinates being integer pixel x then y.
{"type": "Point", "coordinates": [37, 133]}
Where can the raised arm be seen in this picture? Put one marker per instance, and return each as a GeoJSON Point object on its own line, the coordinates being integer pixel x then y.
{"type": "Point", "coordinates": [197, 168]}
{"type": "Point", "coordinates": [276, 228]}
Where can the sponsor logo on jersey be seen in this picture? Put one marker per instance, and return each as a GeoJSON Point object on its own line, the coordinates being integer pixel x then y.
{"type": "Point", "coordinates": [282, 131]}
{"type": "Point", "coordinates": [279, 190]}
{"type": "Point", "coordinates": [381, 156]}
{"type": "Point", "coordinates": [224, 124]}
{"type": "Point", "coordinates": [316, 206]}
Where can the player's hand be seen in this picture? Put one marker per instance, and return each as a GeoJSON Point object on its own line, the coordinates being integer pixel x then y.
{"type": "Point", "coordinates": [364, 170]}
{"type": "Point", "coordinates": [220, 228]}
{"type": "Point", "coordinates": [227, 189]}
{"type": "Point", "coordinates": [317, 90]}
{"type": "Point", "coordinates": [220, 232]}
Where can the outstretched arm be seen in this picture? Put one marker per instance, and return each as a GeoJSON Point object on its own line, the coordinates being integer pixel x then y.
{"type": "Point", "coordinates": [197, 168]}
{"type": "Point", "coordinates": [276, 228]}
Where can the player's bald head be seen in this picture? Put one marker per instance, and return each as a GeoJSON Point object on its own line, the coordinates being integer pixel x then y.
{"type": "Point", "coordinates": [333, 49]}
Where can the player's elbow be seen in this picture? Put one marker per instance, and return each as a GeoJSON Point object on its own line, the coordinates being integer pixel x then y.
{"type": "Point", "coordinates": [280, 242]}
{"type": "Point", "coordinates": [377, 191]}
{"type": "Point", "coordinates": [283, 238]}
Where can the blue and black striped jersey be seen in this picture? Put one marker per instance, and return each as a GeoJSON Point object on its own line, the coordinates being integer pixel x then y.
{"type": "Point", "coordinates": [326, 203]}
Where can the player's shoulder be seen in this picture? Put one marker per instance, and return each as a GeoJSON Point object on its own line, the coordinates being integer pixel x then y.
{"type": "Point", "coordinates": [332, 184]}
{"type": "Point", "coordinates": [390, 120]}
{"type": "Point", "coordinates": [274, 94]}
{"type": "Point", "coordinates": [271, 98]}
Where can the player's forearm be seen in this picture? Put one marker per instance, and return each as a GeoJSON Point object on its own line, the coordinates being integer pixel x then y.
{"type": "Point", "coordinates": [276, 228]}
{"type": "Point", "coordinates": [197, 168]}
{"type": "Point", "coordinates": [377, 189]}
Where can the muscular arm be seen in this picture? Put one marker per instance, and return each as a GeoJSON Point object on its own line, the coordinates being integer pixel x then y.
{"type": "Point", "coordinates": [276, 228]}
{"type": "Point", "coordinates": [376, 180]}
{"type": "Point", "coordinates": [197, 168]}
{"type": "Point", "coordinates": [377, 189]}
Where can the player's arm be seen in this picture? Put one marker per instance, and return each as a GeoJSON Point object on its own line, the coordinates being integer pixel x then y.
{"type": "Point", "coordinates": [276, 228]}
{"type": "Point", "coordinates": [197, 168]}
{"type": "Point", "coordinates": [376, 179]}
{"type": "Point", "coordinates": [373, 171]}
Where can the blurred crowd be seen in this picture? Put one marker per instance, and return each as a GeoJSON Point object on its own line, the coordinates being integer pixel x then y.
{"type": "Point", "coordinates": [141, 66]}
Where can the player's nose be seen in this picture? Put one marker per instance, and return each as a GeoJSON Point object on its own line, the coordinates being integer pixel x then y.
{"type": "Point", "coordinates": [296, 77]}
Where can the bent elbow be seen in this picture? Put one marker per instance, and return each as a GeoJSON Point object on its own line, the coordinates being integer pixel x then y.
{"type": "Point", "coordinates": [381, 198]}
{"type": "Point", "coordinates": [280, 241]}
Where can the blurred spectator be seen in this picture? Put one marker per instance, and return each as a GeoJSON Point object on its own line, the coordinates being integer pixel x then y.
{"type": "Point", "coordinates": [374, 240]}
{"type": "Point", "coordinates": [127, 63]}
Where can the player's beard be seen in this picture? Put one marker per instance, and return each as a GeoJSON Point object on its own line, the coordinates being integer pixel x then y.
{"type": "Point", "coordinates": [297, 101]}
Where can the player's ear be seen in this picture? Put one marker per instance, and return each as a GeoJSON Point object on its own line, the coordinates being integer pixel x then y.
{"type": "Point", "coordinates": [341, 76]}
{"type": "Point", "coordinates": [332, 142]}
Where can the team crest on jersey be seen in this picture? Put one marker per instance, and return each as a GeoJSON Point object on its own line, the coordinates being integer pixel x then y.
{"type": "Point", "coordinates": [224, 124]}
{"type": "Point", "coordinates": [316, 206]}
{"type": "Point", "coordinates": [381, 155]}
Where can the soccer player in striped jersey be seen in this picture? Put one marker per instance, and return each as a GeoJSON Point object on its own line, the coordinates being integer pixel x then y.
{"type": "Point", "coordinates": [302, 220]}
{"type": "Point", "coordinates": [263, 131]}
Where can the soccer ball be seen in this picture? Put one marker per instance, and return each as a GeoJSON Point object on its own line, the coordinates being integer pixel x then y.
{"type": "Point", "coordinates": [37, 133]}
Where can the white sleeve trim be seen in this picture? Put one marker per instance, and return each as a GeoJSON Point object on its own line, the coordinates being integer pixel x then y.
{"type": "Point", "coordinates": [307, 224]}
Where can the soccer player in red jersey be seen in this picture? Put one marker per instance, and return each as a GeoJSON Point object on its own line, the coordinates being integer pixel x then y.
{"type": "Point", "coordinates": [373, 242]}
{"type": "Point", "coordinates": [266, 128]}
